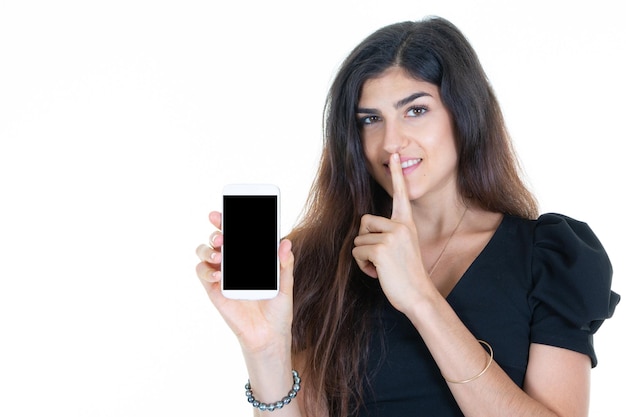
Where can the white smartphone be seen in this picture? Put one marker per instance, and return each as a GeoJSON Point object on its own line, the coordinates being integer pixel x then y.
{"type": "Point", "coordinates": [251, 228]}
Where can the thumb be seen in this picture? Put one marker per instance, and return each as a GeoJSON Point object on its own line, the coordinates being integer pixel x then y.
{"type": "Point", "coordinates": [285, 255]}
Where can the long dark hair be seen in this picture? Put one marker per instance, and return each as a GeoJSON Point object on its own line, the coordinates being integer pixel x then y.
{"type": "Point", "coordinates": [331, 295]}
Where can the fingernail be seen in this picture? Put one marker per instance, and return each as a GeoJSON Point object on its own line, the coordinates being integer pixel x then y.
{"type": "Point", "coordinates": [396, 157]}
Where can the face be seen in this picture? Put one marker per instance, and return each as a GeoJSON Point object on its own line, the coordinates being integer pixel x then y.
{"type": "Point", "coordinates": [400, 114]}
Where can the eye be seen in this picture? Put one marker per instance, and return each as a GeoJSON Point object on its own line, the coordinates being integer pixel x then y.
{"type": "Point", "coordinates": [416, 111]}
{"type": "Point", "coordinates": [368, 120]}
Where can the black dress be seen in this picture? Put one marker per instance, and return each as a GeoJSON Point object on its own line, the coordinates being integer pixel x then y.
{"type": "Point", "coordinates": [544, 281]}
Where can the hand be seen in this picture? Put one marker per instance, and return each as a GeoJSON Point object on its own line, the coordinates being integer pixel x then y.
{"type": "Point", "coordinates": [388, 249]}
{"type": "Point", "coordinates": [259, 325]}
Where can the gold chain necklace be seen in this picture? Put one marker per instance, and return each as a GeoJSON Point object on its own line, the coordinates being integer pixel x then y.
{"type": "Point", "coordinates": [432, 269]}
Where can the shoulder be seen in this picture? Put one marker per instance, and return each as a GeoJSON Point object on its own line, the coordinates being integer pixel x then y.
{"type": "Point", "coordinates": [571, 273]}
{"type": "Point", "coordinates": [559, 226]}
{"type": "Point", "coordinates": [569, 245]}
{"type": "Point", "coordinates": [564, 253]}
{"type": "Point", "coordinates": [557, 232]}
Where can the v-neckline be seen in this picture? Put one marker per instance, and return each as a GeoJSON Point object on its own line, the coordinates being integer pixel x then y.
{"type": "Point", "coordinates": [487, 248]}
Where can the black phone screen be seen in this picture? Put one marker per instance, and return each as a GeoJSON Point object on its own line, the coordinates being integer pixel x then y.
{"type": "Point", "coordinates": [250, 242]}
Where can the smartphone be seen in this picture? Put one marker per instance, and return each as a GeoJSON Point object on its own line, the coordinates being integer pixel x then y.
{"type": "Point", "coordinates": [250, 225]}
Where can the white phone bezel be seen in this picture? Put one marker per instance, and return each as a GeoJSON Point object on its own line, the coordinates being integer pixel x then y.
{"type": "Point", "coordinates": [250, 190]}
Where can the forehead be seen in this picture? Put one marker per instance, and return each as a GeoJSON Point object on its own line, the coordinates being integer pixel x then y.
{"type": "Point", "coordinates": [394, 84]}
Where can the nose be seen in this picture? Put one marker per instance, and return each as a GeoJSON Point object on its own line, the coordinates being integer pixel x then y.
{"type": "Point", "coordinates": [395, 140]}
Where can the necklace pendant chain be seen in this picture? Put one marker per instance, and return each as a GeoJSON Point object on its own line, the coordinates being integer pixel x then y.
{"type": "Point", "coordinates": [432, 269]}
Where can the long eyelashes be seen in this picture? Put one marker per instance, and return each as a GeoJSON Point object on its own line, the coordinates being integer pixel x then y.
{"type": "Point", "coordinates": [416, 111]}
{"type": "Point", "coordinates": [413, 111]}
{"type": "Point", "coordinates": [368, 120]}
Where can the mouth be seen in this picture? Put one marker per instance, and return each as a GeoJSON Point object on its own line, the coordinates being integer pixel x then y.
{"type": "Point", "coordinates": [406, 163]}
{"type": "Point", "coordinates": [410, 162]}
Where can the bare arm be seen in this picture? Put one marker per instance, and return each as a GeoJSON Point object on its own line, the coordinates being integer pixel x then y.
{"type": "Point", "coordinates": [560, 379]}
{"type": "Point", "coordinates": [556, 384]}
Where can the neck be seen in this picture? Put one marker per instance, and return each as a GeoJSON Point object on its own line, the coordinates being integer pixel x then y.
{"type": "Point", "coordinates": [436, 222]}
{"type": "Point", "coordinates": [436, 263]}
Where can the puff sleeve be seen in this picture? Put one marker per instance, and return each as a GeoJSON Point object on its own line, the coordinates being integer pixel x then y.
{"type": "Point", "coordinates": [571, 293]}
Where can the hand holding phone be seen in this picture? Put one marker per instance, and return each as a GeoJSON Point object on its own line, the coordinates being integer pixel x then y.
{"type": "Point", "coordinates": [251, 232]}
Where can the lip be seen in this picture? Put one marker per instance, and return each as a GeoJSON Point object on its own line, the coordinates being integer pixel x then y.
{"type": "Point", "coordinates": [409, 164]}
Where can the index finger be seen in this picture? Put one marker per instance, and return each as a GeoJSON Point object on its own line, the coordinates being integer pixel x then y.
{"type": "Point", "coordinates": [401, 206]}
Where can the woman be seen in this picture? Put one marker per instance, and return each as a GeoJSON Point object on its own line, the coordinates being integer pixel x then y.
{"type": "Point", "coordinates": [421, 280]}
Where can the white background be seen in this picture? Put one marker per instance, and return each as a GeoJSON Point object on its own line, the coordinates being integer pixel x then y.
{"type": "Point", "coordinates": [121, 120]}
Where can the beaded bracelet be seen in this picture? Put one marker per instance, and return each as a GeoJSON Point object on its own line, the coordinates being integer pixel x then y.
{"type": "Point", "coordinates": [465, 381]}
{"type": "Point", "coordinates": [278, 404]}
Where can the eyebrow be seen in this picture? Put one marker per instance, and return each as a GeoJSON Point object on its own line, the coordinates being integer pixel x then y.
{"type": "Point", "coordinates": [398, 104]}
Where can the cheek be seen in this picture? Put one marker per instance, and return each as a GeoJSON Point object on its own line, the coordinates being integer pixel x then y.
{"type": "Point", "coordinates": [442, 144]}
{"type": "Point", "coordinates": [450, 151]}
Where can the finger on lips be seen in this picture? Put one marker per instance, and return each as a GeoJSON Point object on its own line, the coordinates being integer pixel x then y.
{"type": "Point", "coordinates": [401, 206]}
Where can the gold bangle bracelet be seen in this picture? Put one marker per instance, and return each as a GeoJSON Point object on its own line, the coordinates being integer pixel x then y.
{"type": "Point", "coordinates": [465, 381]}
